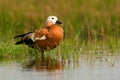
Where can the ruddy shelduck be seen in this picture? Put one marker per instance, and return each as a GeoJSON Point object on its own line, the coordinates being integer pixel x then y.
{"type": "Point", "coordinates": [46, 38]}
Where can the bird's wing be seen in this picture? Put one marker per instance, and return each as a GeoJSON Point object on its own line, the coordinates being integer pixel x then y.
{"type": "Point", "coordinates": [39, 34]}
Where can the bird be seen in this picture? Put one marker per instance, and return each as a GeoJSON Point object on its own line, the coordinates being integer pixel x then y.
{"type": "Point", "coordinates": [46, 38]}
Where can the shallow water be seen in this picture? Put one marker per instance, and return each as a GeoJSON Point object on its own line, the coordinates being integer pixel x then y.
{"type": "Point", "coordinates": [86, 68]}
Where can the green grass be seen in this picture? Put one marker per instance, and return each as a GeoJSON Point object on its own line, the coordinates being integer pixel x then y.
{"type": "Point", "coordinates": [91, 27]}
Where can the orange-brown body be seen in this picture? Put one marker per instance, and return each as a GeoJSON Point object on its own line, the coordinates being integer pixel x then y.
{"type": "Point", "coordinates": [54, 35]}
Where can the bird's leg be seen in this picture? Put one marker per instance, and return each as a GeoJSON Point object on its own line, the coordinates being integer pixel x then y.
{"type": "Point", "coordinates": [42, 58]}
{"type": "Point", "coordinates": [42, 55]}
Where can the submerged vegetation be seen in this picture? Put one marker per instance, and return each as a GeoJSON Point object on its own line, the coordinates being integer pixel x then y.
{"type": "Point", "coordinates": [91, 27]}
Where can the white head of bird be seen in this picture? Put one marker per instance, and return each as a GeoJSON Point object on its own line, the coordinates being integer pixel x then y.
{"type": "Point", "coordinates": [52, 20]}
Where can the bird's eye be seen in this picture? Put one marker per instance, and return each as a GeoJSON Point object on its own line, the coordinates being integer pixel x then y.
{"type": "Point", "coordinates": [52, 18]}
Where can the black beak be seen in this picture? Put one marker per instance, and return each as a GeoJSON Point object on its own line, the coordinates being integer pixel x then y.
{"type": "Point", "coordinates": [58, 22]}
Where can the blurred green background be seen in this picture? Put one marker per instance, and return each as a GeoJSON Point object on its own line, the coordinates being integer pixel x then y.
{"type": "Point", "coordinates": [83, 19]}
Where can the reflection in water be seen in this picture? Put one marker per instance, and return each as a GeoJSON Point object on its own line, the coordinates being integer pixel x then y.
{"type": "Point", "coordinates": [40, 63]}
{"type": "Point", "coordinates": [51, 64]}
{"type": "Point", "coordinates": [86, 67]}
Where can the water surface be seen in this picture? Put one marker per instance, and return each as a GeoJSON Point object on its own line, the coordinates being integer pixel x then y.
{"type": "Point", "coordinates": [85, 68]}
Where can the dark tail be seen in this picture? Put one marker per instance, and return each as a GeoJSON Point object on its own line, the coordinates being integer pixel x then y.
{"type": "Point", "coordinates": [19, 42]}
{"type": "Point", "coordinates": [21, 36]}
